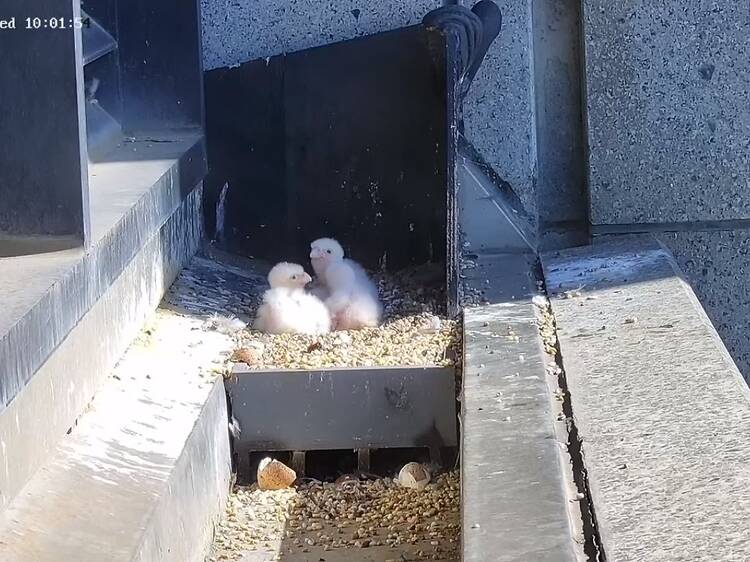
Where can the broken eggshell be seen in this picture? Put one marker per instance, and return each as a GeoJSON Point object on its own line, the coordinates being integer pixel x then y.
{"type": "Point", "coordinates": [414, 475]}
{"type": "Point", "coordinates": [274, 475]}
{"type": "Point", "coordinates": [251, 354]}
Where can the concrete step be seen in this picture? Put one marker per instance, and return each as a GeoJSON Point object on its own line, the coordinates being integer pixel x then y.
{"type": "Point", "coordinates": [660, 407]}
{"type": "Point", "coordinates": [68, 315]}
{"type": "Point", "coordinates": [517, 487]}
{"type": "Point", "coordinates": [145, 473]}
{"type": "Point", "coordinates": [518, 493]}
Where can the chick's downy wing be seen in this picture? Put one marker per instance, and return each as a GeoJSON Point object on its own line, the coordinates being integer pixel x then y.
{"type": "Point", "coordinates": [362, 279]}
{"type": "Point", "coordinates": [341, 277]}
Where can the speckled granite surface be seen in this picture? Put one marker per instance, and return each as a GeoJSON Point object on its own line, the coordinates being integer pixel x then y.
{"type": "Point", "coordinates": [662, 411]}
{"type": "Point", "coordinates": [667, 104]}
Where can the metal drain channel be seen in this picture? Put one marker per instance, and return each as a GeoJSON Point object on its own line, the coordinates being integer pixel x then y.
{"type": "Point", "coordinates": [338, 409]}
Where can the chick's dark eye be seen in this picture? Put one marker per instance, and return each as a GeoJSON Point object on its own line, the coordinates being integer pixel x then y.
{"type": "Point", "coordinates": [328, 251]}
{"type": "Point", "coordinates": [294, 277]}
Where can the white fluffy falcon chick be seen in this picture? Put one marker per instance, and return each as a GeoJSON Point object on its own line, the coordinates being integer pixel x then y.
{"type": "Point", "coordinates": [287, 308]}
{"type": "Point", "coordinates": [352, 297]}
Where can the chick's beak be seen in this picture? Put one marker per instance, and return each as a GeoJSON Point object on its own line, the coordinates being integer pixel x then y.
{"type": "Point", "coordinates": [306, 278]}
{"type": "Point", "coordinates": [315, 253]}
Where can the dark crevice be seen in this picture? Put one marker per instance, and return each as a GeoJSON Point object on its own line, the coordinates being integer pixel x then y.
{"type": "Point", "coordinates": [593, 546]}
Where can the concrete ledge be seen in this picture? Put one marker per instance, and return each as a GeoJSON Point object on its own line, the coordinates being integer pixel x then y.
{"type": "Point", "coordinates": [514, 499]}
{"type": "Point", "coordinates": [145, 473]}
{"type": "Point", "coordinates": [181, 527]}
{"type": "Point", "coordinates": [63, 386]}
{"type": "Point", "coordinates": [44, 296]}
{"type": "Point", "coordinates": [514, 494]}
{"type": "Point", "coordinates": [662, 411]}
{"type": "Point", "coordinates": [513, 480]}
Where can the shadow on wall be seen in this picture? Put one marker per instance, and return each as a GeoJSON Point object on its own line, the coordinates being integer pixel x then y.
{"type": "Point", "coordinates": [316, 143]}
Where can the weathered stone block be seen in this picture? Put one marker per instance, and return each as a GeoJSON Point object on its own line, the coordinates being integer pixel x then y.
{"type": "Point", "coordinates": [660, 408]}
{"type": "Point", "coordinates": [236, 32]}
{"type": "Point", "coordinates": [717, 264]}
{"type": "Point", "coordinates": [667, 103]}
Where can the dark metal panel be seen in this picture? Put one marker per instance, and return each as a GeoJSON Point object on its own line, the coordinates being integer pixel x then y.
{"type": "Point", "coordinates": [453, 238]}
{"type": "Point", "coordinates": [43, 177]}
{"type": "Point", "coordinates": [366, 146]}
{"type": "Point", "coordinates": [376, 407]}
{"type": "Point", "coordinates": [160, 57]}
{"type": "Point", "coordinates": [245, 140]}
{"type": "Point", "coordinates": [346, 140]}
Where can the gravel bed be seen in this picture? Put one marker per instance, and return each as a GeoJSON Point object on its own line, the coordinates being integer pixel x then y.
{"type": "Point", "coordinates": [415, 331]}
{"type": "Point", "coordinates": [353, 520]}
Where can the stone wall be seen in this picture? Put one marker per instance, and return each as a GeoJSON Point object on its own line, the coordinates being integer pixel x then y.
{"type": "Point", "coordinates": [668, 109]}
{"type": "Point", "coordinates": [668, 120]}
